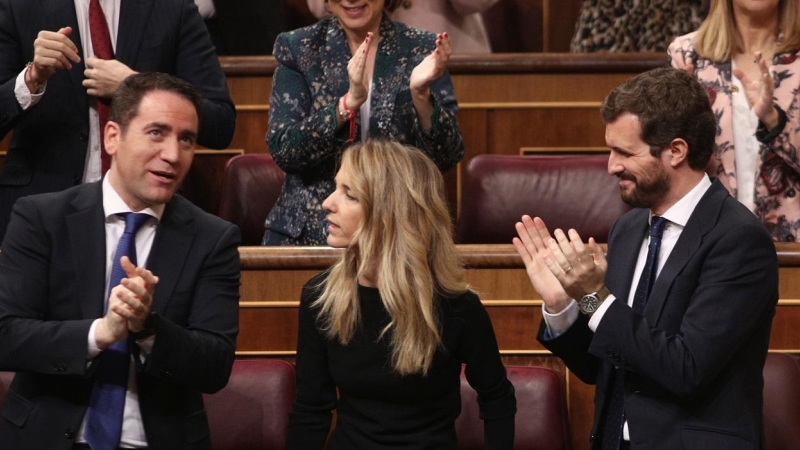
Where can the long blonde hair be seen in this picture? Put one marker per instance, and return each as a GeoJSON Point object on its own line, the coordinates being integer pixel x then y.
{"type": "Point", "coordinates": [718, 39]}
{"type": "Point", "coordinates": [405, 237]}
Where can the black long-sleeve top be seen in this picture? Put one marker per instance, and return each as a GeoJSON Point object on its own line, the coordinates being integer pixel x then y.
{"type": "Point", "coordinates": [380, 409]}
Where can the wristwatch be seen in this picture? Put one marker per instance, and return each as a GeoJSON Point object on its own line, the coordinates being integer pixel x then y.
{"type": "Point", "coordinates": [590, 302]}
{"type": "Point", "coordinates": [152, 325]}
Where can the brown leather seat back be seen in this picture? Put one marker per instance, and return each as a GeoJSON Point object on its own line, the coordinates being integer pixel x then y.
{"type": "Point", "coordinates": [782, 402]}
{"type": "Point", "coordinates": [252, 185]}
{"type": "Point", "coordinates": [252, 411]}
{"type": "Point", "coordinates": [569, 191]}
{"type": "Point", "coordinates": [541, 420]}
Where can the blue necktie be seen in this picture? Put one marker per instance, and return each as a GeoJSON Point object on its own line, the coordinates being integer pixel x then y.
{"type": "Point", "coordinates": [106, 405]}
{"type": "Point", "coordinates": [615, 415]}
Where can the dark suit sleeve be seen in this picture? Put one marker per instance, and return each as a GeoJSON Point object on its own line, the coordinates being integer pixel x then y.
{"type": "Point", "coordinates": [11, 64]}
{"type": "Point", "coordinates": [572, 347]}
{"type": "Point", "coordinates": [197, 63]}
{"type": "Point", "coordinates": [315, 397]}
{"type": "Point", "coordinates": [730, 297]}
{"type": "Point", "coordinates": [31, 340]}
{"type": "Point", "coordinates": [198, 355]}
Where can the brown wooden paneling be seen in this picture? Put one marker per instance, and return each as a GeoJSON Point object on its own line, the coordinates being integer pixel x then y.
{"type": "Point", "coordinates": [511, 129]}
{"type": "Point", "coordinates": [514, 87]}
{"type": "Point", "coordinates": [251, 130]}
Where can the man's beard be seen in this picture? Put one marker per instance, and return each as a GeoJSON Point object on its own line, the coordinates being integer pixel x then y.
{"type": "Point", "coordinates": [646, 193]}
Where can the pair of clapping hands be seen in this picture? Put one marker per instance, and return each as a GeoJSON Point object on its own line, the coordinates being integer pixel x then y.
{"type": "Point", "coordinates": [128, 305]}
{"type": "Point", "coordinates": [423, 75]}
{"type": "Point", "coordinates": [561, 267]}
{"type": "Point", "coordinates": [54, 50]}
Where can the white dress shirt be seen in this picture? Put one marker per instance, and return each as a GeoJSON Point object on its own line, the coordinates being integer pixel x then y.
{"type": "Point", "coordinates": [92, 170]}
{"type": "Point", "coordinates": [133, 435]}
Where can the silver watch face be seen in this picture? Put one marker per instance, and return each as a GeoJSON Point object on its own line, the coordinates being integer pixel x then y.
{"type": "Point", "coordinates": [589, 303]}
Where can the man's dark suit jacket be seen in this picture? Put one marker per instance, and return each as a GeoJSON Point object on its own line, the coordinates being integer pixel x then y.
{"type": "Point", "coordinates": [52, 282]}
{"type": "Point", "coordinates": [48, 150]}
{"type": "Point", "coordinates": [694, 361]}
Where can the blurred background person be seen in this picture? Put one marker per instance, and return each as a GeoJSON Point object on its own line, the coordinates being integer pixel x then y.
{"type": "Point", "coordinates": [244, 27]}
{"type": "Point", "coordinates": [78, 51]}
{"type": "Point", "coordinates": [389, 325]}
{"type": "Point", "coordinates": [634, 25]}
{"type": "Point", "coordinates": [746, 57]}
{"type": "Point", "coordinates": [353, 76]}
{"type": "Point", "coordinates": [461, 19]}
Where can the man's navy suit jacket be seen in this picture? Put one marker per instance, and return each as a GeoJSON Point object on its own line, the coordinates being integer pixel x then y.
{"type": "Point", "coordinates": [52, 284]}
{"type": "Point", "coordinates": [693, 362]}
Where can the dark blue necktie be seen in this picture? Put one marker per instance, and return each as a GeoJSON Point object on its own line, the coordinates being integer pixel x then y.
{"type": "Point", "coordinates": [106, 405]}
{"type": "Point", "coordinates": [615, 415]}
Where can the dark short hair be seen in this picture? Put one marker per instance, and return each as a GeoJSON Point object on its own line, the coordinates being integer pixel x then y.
{"type": "Point", "coordinates": [670, 103]}
{"type": "Point", "coordinates": [129, 94]}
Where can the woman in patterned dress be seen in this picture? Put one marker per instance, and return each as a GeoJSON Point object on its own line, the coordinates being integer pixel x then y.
{"type": "Point", "coordinates": [352, 77]}
{"type": "Point", "coordinates": [746, 56]}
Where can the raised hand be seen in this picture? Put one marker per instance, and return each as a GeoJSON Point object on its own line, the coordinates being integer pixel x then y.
{"type": "Point", "coordinates": [357, 73]}
{"type": "Point", "coordinates": [52, 51]}
{"type": "Point", "coordinates": [103, 76]}
{"type": "Point", "coordinates": [759, 92]}
{"type": "Point", "coordinates": [560, 269]}
{"type": "Point", "coordinates": [432, 67]}
{"type": "Point", "coordinates": [532, 249]}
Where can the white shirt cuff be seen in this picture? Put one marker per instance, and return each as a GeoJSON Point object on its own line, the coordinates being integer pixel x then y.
{"type": "Point", "coordinates": [560, 322]}
{"type": "Point", "coordinates": [92, 349]}
{"type": "Point", "coordinates": [25, 98]}
{"type": "Point", "coordinates": [594, 321]}
{"type": "Point", "coordinates": [145, 347]}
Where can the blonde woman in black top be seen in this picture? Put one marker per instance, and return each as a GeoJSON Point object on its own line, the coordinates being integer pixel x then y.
{"type": "Point", "coordinates": [391, 323]}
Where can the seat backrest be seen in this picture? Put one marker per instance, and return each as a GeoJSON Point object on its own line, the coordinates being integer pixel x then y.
{"type": "Point", "coordinates": [252, 411]}
{"type": "Point", "coordinates": [782, 402]}
{"type": "Point", "coordinates": [5, 382]}
{"type": "Point", "coordinates": [568, 191]}
{"type": "Point", "coordinates": [541, 420]}
{"type": "Point", "coordinates": [251, 187]}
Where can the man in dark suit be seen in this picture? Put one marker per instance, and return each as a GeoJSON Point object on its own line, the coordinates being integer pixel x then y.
{"type": "Point", "coordinates": [674, 326]}
{"type": "Point", "coordinates": [52, 105]}
{"type": "Point", "coordinates": [177, 311]}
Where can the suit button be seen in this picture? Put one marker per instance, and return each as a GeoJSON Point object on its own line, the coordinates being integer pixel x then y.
{"type": "Point", "coordinates": [84, 136]}
{"type": "Point", "coordinates": [69, 433]}
{"type": "Point", "coordinates": [76, 180]}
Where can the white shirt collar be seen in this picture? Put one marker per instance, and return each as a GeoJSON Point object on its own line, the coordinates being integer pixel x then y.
{"type": "Point", "coordinates": [680, 212]}
{"type": "Point", "coordinates": [113, 203]}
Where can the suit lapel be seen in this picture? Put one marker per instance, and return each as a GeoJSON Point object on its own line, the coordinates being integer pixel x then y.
{"type": "Point", "coordinates": [61, 14]}
{"type": "Point", "coordinates": [703, 219]}
{"type": "Point", "coordinates": [86, 230]}
{"type": "Point", "coordinates": [174, 238]}
{"type": "Point", "coordinates": [134, 15]}
{"type": "Point", "coordinates": [624, 252]}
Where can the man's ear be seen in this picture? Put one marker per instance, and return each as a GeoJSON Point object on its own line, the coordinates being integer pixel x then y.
{"type": "Point", "coordinates": [678, 153]}
{"type": "Point", "coordinates": [111, 137]}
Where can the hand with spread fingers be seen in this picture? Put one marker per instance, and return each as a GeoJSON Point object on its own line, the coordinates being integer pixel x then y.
{"type": "Point", "coordinates": [560, 268]}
